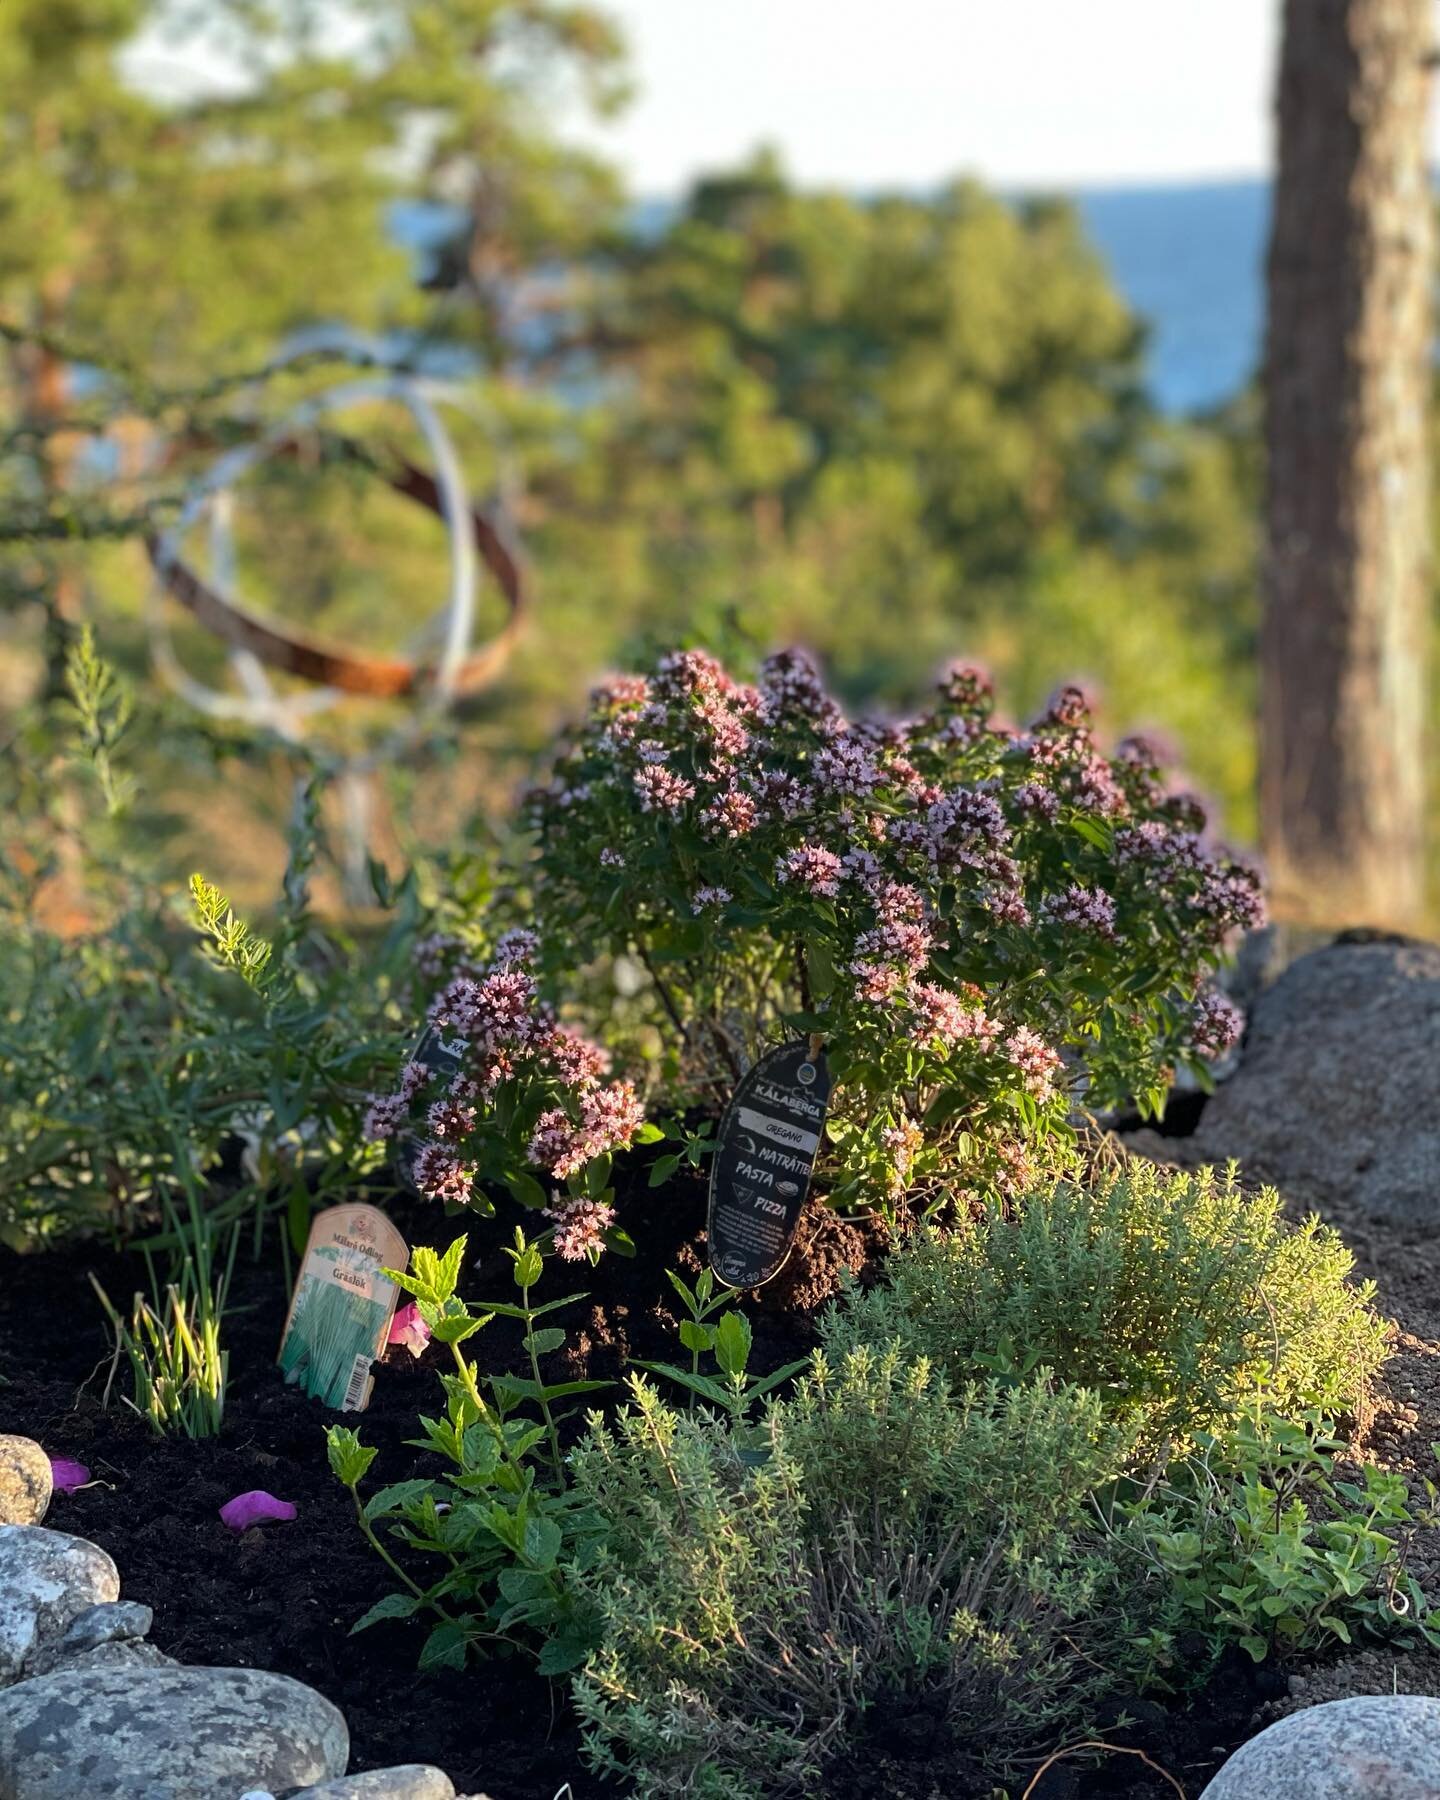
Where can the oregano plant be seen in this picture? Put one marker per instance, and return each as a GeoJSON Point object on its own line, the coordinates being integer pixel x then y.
{"type": "Point", "coordinates": [980, 922]}
{"type": "Point", "coordinates": [518, 1097]}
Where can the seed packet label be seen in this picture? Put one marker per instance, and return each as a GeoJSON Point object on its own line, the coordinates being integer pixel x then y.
{"type": "Point", "coordinates": [442, 1059]}
{"type": "Point", "coordinates": [340, 1314]}
{"type": "Point", "coordinates": [764, 1157]}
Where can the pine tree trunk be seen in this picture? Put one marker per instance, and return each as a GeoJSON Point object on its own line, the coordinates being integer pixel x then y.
{"type": "Point", "coordinates": [1347, 382]}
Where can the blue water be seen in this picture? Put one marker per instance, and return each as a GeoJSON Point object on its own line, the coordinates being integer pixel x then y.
{"type": "Point", "coordinates": [1190, 261]}
{"type": "Point", "coordinates": [1187, 258]}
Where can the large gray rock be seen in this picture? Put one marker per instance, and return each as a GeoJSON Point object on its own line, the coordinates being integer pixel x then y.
{"type": "Point", "coordinates": [47, 1579]}
{"type": "Point", "coordinates": [406, 1781]}
{"type": "Point", "coordinates": [122, 1654]}
{"type": "Point", "coordinates": [1372, 1747]}
{"type": "Point", "coordinates": [123, 1732]}
{"type": "Point", "coordinates": [25, 1481]}
{"type": "Point", "coordinates": [1329, 1101]}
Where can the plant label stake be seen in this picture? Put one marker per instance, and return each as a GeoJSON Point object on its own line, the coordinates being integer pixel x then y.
{"type": "Point", "coordinates": [340, 1314]}
{"type": "Point", "coordinates": [440, 1058]}
{"type": "Point", "coordinates": [764, 1156]}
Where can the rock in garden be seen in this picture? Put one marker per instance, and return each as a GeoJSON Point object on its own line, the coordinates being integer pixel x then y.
{"type": "Point", "coordinates": [1381, 1746]}
{"type": "Point", "coordinates": [111, 1623]}
{"type": "Point", "coordinates": [25, 1481]}
{"type": "Point", "coordinates": [47, 1579]}
{"type": "Point", "coordinates": [116, 1626]}
{"type": "Point", "coordinates": [1326, 1103]}
{"type": "Point", "coordinates": [120, 1655]}
{"type": "Point", "coordinates": [118, 1732]}
{"type": "Point", "coordinates": [407, 1781]}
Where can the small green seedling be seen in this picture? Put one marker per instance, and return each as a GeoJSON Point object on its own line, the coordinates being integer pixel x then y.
{"type": "Point", "coordinates": [729, 1340]}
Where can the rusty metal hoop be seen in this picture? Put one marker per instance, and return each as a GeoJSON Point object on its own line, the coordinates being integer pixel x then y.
{"type": "Point", "coordinates": [336, 671]}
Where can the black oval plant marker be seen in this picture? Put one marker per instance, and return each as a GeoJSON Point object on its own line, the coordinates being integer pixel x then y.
{"type": "Point", "coordinates": [764, 1156]}
{"type": "Point", "coordinates": [440, 1058]}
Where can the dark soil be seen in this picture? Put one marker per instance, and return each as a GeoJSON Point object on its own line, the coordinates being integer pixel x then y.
{"type": "Point", "coordinates": [901, 1760]}
{"type": "Point", "coordinates": [284, 1596]}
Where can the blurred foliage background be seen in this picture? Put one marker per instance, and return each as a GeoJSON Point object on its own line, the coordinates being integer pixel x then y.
{"type": "Point", "coordinates": [898, 429]}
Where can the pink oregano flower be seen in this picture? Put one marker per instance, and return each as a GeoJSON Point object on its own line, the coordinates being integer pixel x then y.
{"type": "Point", "coordinates": [580, 1226]}
{"type": "Point", "coordinates": [511, 1048]}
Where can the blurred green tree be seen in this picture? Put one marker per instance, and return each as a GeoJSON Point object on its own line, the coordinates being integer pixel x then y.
{"type": "Point", "coordinates": [899, 429]}
{"type": "Point", "coordinates": [169, 223]}
{"type": "Point", "coordinates": [187, 182]}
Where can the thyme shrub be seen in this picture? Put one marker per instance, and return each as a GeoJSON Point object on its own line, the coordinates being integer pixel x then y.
{"type": "Point", "coordinates": [878, 1540]}
{"type": "Point", "coordinates": [1176, 1296]}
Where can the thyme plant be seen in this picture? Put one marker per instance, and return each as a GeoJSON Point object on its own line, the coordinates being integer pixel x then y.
{"type": "Point", "coordinates": [879, 1541]}
{"type": "Point", "coordinates": [1175, 1295]}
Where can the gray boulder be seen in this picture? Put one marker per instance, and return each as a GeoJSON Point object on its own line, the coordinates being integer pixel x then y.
{"type": "Point", "coordinates": [407, 1781]}
{"type": "Point", "coordinates": [122, 1654]}
{"type": "Point", "coordinates": [1328, 1101]}
{"type": "Point", "coordinates": [118, 1732]}
{"type": "Point", "coordinates": [114, 1622]}
{"type": "Point", "coordinates": [1379, 1746]}
{"type": "Point", "coordinates": [47, 1579]}
{"type": "Point", "coordinates": [112, 1627]}
{"type": "Point", "coordinates": [25, 1481]}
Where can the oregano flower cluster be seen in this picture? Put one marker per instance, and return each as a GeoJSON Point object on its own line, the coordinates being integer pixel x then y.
{"type": "Point", "coordinates": [530, 1096]}
{"type": "Point", "coordinates": [980, 921]}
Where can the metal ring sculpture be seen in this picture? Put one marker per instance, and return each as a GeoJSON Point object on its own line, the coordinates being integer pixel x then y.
{"type": "Point", "coordinates": [257, 643]}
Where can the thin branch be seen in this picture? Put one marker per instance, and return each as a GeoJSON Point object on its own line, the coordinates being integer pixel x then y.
{"type": "Point", "coordinates": [1110, 1750]}
{"type": "Point", "coordinates": [667, 1000]}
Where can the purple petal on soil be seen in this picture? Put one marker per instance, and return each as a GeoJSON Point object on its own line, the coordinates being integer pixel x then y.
{"type": "Point", "coordinates": [66, 1476]}
{"type": "Point", "coordinates": [255, 1508]}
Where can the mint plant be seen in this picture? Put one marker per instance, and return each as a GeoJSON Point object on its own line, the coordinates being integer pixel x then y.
{"type": "Point", "coordinates": [696, 1143]}
{"type": "Point", "coordinates": [980, 922]}
{"type": "Point", "coordinates": [731, 1388]}
{"type": "Point", "coordinates": [500, 1517]}
{"type": "Point", "coordinates": [701, 1303]}
{"type": "Point", "coordinates": [1267, 1548]}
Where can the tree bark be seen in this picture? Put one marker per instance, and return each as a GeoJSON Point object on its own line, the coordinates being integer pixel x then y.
{"type": "Point", "coordinates": [1347, 383]}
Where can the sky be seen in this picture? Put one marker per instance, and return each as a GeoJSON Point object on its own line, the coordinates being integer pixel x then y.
{"type": "Point", "coordinates": [898, 93]}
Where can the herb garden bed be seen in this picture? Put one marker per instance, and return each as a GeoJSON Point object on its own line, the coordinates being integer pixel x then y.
{"type": "Point", "coordinates": [1091, 1457]}
{"type": "Point", "coordinates": [283, 1597]}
